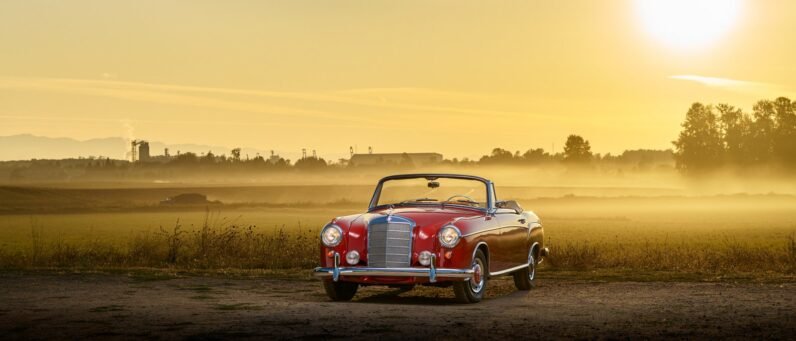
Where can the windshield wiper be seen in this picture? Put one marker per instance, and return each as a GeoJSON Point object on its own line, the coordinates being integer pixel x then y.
{"type": "Point", "coordinates": [417, 200]}
{"type": "Point", "coordinates": [465, 201]}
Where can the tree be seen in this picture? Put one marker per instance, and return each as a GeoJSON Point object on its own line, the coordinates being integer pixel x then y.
{"type": "Point", "coordinates": [699, 146]}
{"type": "Point", "coordinates": [644, 158]}
{"type": "Point", "coordinates": [235, 154]}
{"type": "Point", "coordinates": [735, 128]}
{"type": "Point", "coordinates": [257, 160]}
{"type": "Point", "coordinates": [209, 157]}
{"type": "Point", "coordinates": [761, 143]}
{"type": "Point", "coordinates": [310, 163]}
{"type": "Point", "coordinates": [784, 133]}
{"type": "Point", "coordinates": [537, 155]}
{"type": "Point", "coordinates": [499, 155]}
{"type": "Point", "coordinates": [577, 150]}
{"type": "Point", "coordinates": [185, 158]}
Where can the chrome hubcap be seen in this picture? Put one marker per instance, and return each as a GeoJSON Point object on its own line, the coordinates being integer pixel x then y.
{"type": "Point", "coordinates": [531, 266]}
{"type": "Point", "coordinates": [477, 281]}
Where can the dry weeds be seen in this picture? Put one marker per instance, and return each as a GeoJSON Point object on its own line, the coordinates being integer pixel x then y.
{"type": "Point", "coordinates": [221, 243]}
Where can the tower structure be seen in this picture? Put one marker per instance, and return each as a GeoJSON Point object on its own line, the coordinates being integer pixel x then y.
{"type": "Point", "coordinates": [139, 150]}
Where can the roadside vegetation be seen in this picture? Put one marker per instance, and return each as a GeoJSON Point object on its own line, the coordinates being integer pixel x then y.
{"type": "Point", "coordinates": [693, 236]}
{"type": "Point", "coordinates": [726, 256]}
{"type": "Point", "coordinates": [218, 243]}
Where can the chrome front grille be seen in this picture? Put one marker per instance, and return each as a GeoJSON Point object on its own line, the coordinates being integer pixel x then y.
{"type": "Point", "coordinates": [390, 243]}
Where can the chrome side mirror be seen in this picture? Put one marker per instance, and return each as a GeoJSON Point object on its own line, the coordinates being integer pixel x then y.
{"type": "Point", "coordinates": [509, 204]}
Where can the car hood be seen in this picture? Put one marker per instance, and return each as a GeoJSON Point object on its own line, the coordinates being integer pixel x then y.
{"type": "Point", "coordinates": [428, 220]}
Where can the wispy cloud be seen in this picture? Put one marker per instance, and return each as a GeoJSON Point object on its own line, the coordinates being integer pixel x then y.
{"type": "Point", "coordinates": [741, 86]}
{"type": "Point", "coordinates": [411, 102]}
{"type": "Point", "coordinates": [132, 123]}
{"type": "Point", "coordinates": [154, 93]}
{"type": "Point", "coordinates": [714, 81]}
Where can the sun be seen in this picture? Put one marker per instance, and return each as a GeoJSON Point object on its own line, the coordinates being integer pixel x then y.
{"type": "Point", "coordinates": [688, 24]}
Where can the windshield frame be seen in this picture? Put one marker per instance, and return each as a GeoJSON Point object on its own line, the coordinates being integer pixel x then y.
{"type": "Point", "coordinates": [488, 185]}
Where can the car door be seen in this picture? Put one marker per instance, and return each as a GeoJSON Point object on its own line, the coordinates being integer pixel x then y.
{"type": "Point", "coordinates": [513, 237]}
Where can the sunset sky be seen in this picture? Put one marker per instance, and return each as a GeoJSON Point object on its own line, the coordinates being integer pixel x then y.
{"type": "Point", "coordinates": [456, 77]}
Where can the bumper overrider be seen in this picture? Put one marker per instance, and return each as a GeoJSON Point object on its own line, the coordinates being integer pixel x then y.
{"type": "Point", "coordinates": [432, 272]}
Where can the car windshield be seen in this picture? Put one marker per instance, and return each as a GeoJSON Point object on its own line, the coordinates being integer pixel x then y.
{"type": "Point", "coordinates": [420, 191]}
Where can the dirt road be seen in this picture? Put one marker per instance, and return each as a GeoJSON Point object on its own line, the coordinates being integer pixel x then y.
{"type": "Point", "coordinates": [122, 306]}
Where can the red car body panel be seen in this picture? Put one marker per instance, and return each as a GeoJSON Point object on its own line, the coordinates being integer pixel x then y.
{"type": "Point", "coordinates": [505, 235]}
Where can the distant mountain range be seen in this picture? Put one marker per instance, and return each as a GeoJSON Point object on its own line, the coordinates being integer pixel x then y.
{"type": "Point", "coordinates": [27, 146]}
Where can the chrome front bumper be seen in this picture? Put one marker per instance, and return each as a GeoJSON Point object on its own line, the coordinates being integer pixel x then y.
{"type": "Point", "coordinates": [431, 272]}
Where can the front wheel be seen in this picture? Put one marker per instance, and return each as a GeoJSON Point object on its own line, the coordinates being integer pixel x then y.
{"type": "Point", "coordinates": [340, 291]}
{"type": "Point", "coordinates": [472, 290]}
{"type": "Point", "coordinates": [524, 279]}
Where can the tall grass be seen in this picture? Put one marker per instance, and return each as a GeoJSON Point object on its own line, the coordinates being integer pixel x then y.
{"type": "Point", "coordinates": [222, 243]}
{"type": "Point", "coordinates": [218, 243]}
{"type": "Point", "coordinates": [728, 256]}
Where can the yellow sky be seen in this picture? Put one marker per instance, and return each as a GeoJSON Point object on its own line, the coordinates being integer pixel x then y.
{"type": "Point", "coordinates": [457, 77]}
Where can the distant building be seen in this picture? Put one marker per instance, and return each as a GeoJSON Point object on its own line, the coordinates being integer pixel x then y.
{"type": "Point", "coordinates": [139, 150]}
{"type": "Point", "coordinates": [166, 157]}
{"type": "Point", "coordinates": [274, 158]}
{"type": "Point", "coordinates": [416, 159]}
{"type": "Point", "coordinates": [143, 151]}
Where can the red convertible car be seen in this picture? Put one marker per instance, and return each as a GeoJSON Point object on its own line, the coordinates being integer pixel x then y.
{"type": "Point", "coordinates": [431, 229]}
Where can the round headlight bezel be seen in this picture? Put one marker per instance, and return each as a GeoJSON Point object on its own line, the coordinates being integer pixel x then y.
{"type": "Point", "coordinates": [444, 232]}
{"type": "Point", "coordinates": [336, 241]}
{"type": "Point", "coordinates": [424, 258]}
{"type": "Point", "coordinates": [352, 257]}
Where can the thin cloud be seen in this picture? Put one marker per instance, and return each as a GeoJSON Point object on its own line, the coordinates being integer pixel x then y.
{"type": "Point", "coordinates": [385, 98]}
{"type": "Point", "coordinates": [714, 81]}
{"type": "Point", "coordinates": [211, 123]}
{"type": "Point", "coordinates": [747, 87]}
{"type": "Point", "coordinates": [95, 88]}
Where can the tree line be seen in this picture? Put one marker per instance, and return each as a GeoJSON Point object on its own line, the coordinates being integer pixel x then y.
{"type": "Point", "coordinates": [716, 136]}
{"type": "Point", "coordinates": [576, 151]}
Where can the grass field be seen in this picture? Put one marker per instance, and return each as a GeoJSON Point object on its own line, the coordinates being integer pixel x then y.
{"type": "Point", "coordinates": [717, 234]}
{"type": "Point", "coordinates": [118, 228]}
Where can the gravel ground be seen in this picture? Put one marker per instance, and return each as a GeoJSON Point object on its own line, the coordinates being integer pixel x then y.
{"type": "Point", "coordinates": [45, 306]}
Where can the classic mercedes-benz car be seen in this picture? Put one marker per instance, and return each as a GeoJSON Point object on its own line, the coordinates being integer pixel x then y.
{"type": "Point", "coordinates": [431, 229]}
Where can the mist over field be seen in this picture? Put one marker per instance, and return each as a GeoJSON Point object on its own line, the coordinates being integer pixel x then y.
{"type": "Point", "coordinates": [597, 217]}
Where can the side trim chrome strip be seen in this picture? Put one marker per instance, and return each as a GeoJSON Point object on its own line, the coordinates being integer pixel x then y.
{"type": "Point", "coordinates": [503, 272]}
{"type": "Point", "coordinates": [482, 231]}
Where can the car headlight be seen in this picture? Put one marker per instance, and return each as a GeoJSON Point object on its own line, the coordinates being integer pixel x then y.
{"type": "Point", "coordinates": [331, 235]}
{"type": "Point", "coordinates": [424, 258]}
{"type": "Point", "coordinates": [449, 236]}
{"type": "Point", "coordinates": [352, 257]}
